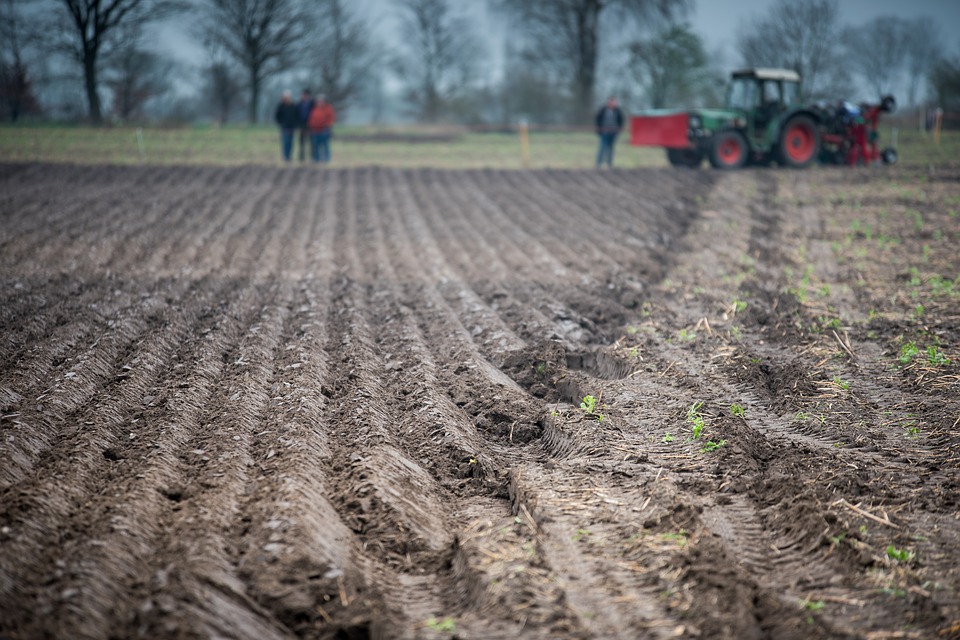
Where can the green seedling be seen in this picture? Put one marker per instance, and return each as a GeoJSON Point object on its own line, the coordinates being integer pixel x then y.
{"type": "Point", "coordinates": [668, 437]}
{"type": "Point", "coordinates": [738, 410]}
{"type": "Point", "coordinates": [936, 357]}
{"type": "Point", "coordinates": [801, 416]}
{"type": "Point", "coordinates": [590, 406]}
{"type": "Point", "coordinates": [912, 432]}
{"type": "Point", "coordinates": [907, 352]}
{"type": "Point", "coordinates": [696, 419]}
{"type": "Point", "coordinates": [900, 555]}
{"type": "Point", "coordinates": [679, 538]}
{"type": "Point", "coordinates": [739, 306]}
{"type": "Point", "coordinates": [581, 534]}
{"type": "Point", "coordinates": [840, 382]}
{"type": "Point", "coordinates": [813, 605]}
{"type": "Point", "coordinates": [445, 625]}
{"type": "Point", "coordinates": [712, 446]}
{"type": "Point", "coordinates": [540, 368]}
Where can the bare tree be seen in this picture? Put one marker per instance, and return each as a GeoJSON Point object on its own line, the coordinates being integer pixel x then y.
{"type": "Point", "coordinates": [135, 76]}
{"type": "Point", "coordinates": [945, 81]}
{"type": "Point", "coordinates": [224, 89]}
{"type": "Point", "coordinates": [16, 88]}
{"type": "Point", "coordinates": [672, 65]}
{"type": "Point", "coordinates": [568, 33]}
{"type": "Point", "coordinates": [91, 30]}
{"type": "Point", "coordinates": [922, 47]}
{"type": "Point", "coordinates": [802, 35]}
{"type": "Point", "coordinates": [261, 36]}
{"type": "Point", "coordinates": [341, 52]}
{"type": "Point", "coordinates": [875, 51]}
{"type": "Point", "coordinates": [439, 56]}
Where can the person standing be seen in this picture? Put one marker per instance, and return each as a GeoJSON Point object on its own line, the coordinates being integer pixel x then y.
{"type": "Point", "coordinates": [287, 117]}
{"type": "Point", "coordinates": [609, 122]}
{"type": "Point", "coordinates": [305, 106]}
{"type": "Point", "coordinates": [320, 123]}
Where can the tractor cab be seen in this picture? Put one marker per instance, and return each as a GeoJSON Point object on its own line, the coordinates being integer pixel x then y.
{"type": "Point", "coordinates": [761, 97]}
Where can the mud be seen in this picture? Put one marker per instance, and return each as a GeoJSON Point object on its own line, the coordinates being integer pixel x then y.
{"type": "Point", "coordinates": [275, 403]}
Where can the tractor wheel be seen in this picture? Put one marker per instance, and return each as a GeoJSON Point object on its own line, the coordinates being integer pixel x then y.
{"type": "Point", "coordinates": [799, 142]}
{"type": "Point", "coordinates": [688, 158]}
{"type": "Point", "coordinates": [729, 150]}
{"type": "Point", "coordinates": [889, 155]}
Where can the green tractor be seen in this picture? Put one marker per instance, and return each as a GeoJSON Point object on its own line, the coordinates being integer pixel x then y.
{"type": "Point", "coordinates": [763, 122]}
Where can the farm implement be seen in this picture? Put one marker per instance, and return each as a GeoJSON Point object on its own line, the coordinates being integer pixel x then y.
{"type": "Point", "coordinates": [764, 122]}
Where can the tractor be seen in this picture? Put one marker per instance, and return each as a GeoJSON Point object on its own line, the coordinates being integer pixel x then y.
{"type": "Point", "coordinates": [764, 122]}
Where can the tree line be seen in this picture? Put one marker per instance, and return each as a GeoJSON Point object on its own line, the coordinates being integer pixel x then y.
{"type": "Point", "coordinates": [91, 60]}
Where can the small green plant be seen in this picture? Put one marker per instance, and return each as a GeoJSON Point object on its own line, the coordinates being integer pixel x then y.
{"type": "Point", "coordinates": [668, 437]}
{"type": "Point", "coordinates": [591, 405]}
{"type": "Point", "coordinates": [687, 336]}
{"type": "Point", "coordinates": [801, 416]}
{"type": "Point", "coordinates": [581, 534]}
{"type": "Point", "coordinates": [936, 357]}
{"type": "Point", "coordinates": [918, 311]}
{"type": "Point", "coordinates": [912, 431]}
{"type": "Point", "coordinates": [738, 410]}
{"type": "Point", "coordinates": [813, 605]}
{"type": "Point", "coordinates": [739, 306]}
{"type": "Point", "coordinates": [712, 446]}
{"type": "Point", "coordinates": [444, 625]}
{"type": "Point", "coordinates": [840, 382]}
{"type": "Point", "coordinates": [540, 368]}
{"type": "Point", "coordinates": [695, 418]}
{"type": "Point", "coordinates": [907, 352]}
{"type": "Point", "coordinates": [899, 555]}
{"type": "Point", "coordinates": [680, 538]}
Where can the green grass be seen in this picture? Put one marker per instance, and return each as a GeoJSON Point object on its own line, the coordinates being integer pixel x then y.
{"type": "Point", "coordinates": [357, 146]}
{"type": "Point", "coordinates": [351, 146]}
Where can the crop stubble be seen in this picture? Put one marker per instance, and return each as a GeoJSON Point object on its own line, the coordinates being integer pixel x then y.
{"type": "Point", "coordinates": [269, 403]}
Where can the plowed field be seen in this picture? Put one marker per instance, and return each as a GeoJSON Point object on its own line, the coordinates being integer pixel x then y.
{"type": "Point", "coordinates": [286, 402]}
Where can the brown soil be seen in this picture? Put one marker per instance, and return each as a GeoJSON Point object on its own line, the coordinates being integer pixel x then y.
{"type": "Point", "coordinates": [274, 403]}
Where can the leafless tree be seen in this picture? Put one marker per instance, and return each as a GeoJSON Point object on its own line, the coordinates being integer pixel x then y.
{"type": "Point", "coordinates": [224, 89]}
{"type": "Point", "coordinates": [802, 35]}
{"type": "Point", "coordinates": [672, 65]}
{"type": "Point", "coordinates": [568, 33]}
{"type": "Point", "coordinates": [16, 88]}
{"type": "Point", "coordinates": [439, 56]}
{"type": "Point", "coordinates": [91, 29]}
{"type": "Point", "coordinates": [945, 81]}
{"type": "Point", "coordinates": [340, 52]}
{"type": "Point", "coordinates": [922, 47]}
{"type": "Point", "coordinates": [262, 36]}
{"type": "Point", "coordinates": [134, 76]}
{"type": "Point", "coordinates": [875, 52]}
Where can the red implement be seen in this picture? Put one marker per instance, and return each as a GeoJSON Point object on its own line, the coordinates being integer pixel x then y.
{"type": "Point", "coordinates": [660, 131]}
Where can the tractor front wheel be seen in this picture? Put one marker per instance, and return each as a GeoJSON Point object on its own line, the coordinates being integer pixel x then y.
{"type": "Point", "coordinates": [729, 150]}
{"type": "Point", "coordinates": [688, 158]}
{"type": "Point", "coordinates": [799, 142]}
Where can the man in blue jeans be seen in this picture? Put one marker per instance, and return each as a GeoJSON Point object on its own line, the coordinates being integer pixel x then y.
{"type": "Point", "coordinates": [609, 121]}
{"type": "Point", "coordinates": [288, 119]}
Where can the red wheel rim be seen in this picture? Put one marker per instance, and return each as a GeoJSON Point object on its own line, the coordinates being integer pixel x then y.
{"type": "Point", "coordinates": [800, 142]}
{"type": "Point", "coordinates": [730, 151]}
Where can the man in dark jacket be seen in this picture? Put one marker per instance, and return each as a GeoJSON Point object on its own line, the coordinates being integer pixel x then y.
{"type": "Point", "coordinates": [305, 106]}
{"type": "Point", "coordinates": [288, 118]}
{"type": "Point", "coordinates": [609, 121]}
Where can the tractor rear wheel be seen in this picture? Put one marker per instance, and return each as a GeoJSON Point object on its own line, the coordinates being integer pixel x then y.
{"type": "Point", "coordinates": [689, 158]}
{"type": "Point", "coordinates": [729, 150]}
{"type": "Point", "coordinates": [799, 142]}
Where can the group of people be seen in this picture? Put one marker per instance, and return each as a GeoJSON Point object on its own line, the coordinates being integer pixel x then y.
{"type": "Point", "coordinates": [312, 118]}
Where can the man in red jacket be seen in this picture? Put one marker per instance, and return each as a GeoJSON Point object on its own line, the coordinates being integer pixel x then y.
{"type": "Point", "coordinates": [320, 123]}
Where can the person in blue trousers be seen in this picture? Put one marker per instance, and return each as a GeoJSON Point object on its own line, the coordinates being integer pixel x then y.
{"type": "Point", "coordinates": [287, 117]}
{"type": "Point", "coordinates": [609, 122]}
